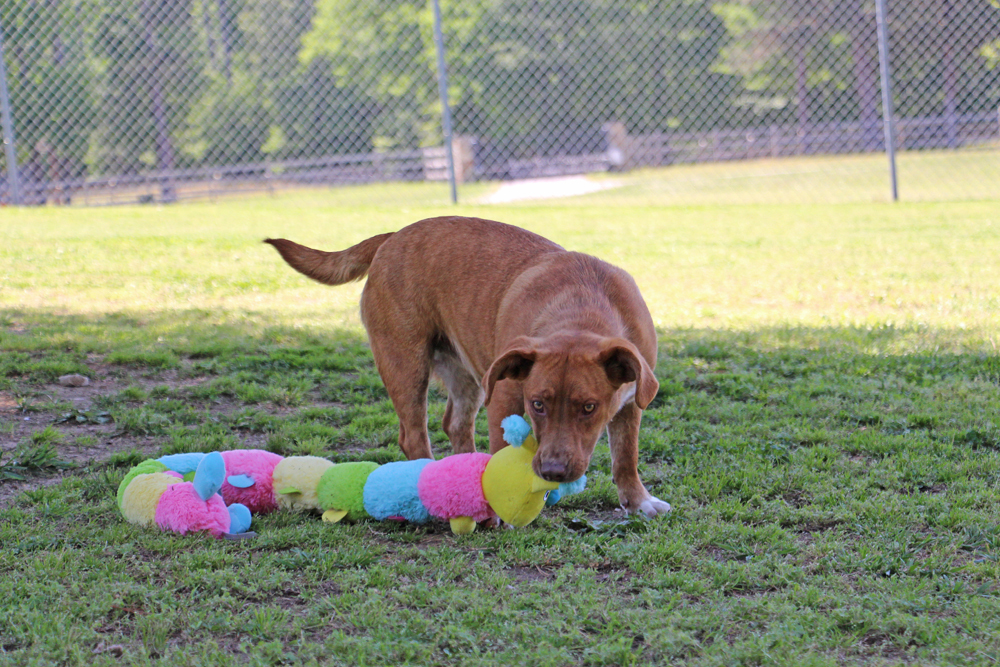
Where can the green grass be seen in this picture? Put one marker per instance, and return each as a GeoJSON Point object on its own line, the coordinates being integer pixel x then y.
{"type": "Point", "coordinates": [826, 431]}
{"type": "Point", "coordinates": [922, 176]}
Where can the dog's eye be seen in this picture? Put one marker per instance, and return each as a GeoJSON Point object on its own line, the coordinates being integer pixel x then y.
{"type": "Point", "coordinates": [538, 406]}
{"type": "Point", "coordinates": [589, 407]}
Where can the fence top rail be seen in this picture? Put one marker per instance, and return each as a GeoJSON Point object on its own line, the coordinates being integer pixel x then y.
{"type": "Point", "coordinates": [991, 118]}
{"type": "Point", "coordinates": [248, 170]}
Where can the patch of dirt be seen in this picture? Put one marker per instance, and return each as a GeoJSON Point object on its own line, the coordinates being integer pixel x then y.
{"type": "Point", "coordinates": [11, 489]}
{"type": "Point", "coordinates": [721, 555]}
{"type": "Point", "coordinates": [87, 444]}
{"type": "Point", "coordinates": [521, 575]}
{"type": "Point", "coordinates": [881, 645]}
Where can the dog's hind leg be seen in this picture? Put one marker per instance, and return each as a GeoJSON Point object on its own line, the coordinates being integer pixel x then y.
{"type": "Point", "coordinates": [465, 397]}
{"type": "Point", "coordinates": [405, 371]}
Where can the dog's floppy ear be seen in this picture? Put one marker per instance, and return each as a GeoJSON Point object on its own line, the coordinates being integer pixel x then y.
{"type": "Point", "coordinates": [514, 364]}
{"type": "Point", "coordinates": [623, 363]}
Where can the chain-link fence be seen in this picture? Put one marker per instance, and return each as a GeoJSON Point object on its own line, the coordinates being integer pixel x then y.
{"type": "Point", "coordinates": [155, 100]}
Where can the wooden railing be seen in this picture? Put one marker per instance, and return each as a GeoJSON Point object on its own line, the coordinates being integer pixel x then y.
{"type": "Point", "coordinates": [620, 151]}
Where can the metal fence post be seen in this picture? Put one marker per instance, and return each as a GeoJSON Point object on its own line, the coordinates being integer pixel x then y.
{"type": "Point", "coordinates": [445, 108]}
{"type": "Point", "coordinates": [881, 19]}
{"type": "Point", "coordinates": [13, 177]}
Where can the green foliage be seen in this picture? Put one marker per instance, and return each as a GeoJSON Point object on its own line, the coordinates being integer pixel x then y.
{"type": "Point", "coordinates": [114, 87]}
{"type": "Point", "coordinates": [508, 60]}
{"type": "Point", "coordinates": [359, 39]}
{"type": "Point", "coordinates": [52, 89]}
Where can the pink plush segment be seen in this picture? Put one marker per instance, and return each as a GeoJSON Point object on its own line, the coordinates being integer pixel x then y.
{"type": "Point", "coordinates": [173, 474]}
{"type": "Point", "coordinates": [259, 465]}
{"type": "Point", "coordinates": [453, 487]}
{"type": "Point", "coordinates": [181, 510]}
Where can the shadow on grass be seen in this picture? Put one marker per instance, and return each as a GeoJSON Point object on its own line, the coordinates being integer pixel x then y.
{"type": "Point", "coordinates": [764, 391]}
{"type": "Point", "coordinates": [42, 345]}
{"type": "Point", "coordinates": [38, 346]}
{"type": "Point", "coordinates": [200, 333]}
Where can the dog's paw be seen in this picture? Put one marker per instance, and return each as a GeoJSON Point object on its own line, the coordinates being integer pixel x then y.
{"type": "Point", "coordinates": [492, 523]}
{"type": "Point", "coordinates": [653, 506]}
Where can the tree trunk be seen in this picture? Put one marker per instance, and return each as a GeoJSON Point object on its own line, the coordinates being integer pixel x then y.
{"type": "Point", "coordinates": [950, 77]}
{"type": "Point", "coordinates": [226, 32]}
{"type": "Point", "coordinates": [865, 63]}
{"type": "Point", "coordinates": [164, 142]}
{"type": "Point", "coordinates": [802, 90]}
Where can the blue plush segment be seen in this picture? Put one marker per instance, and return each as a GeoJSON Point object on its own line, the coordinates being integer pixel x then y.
{"type": "Point", "coordinates": [239, 518]}
{"type": "Point", "coordinates": [565, 489]}
{"type": "Point", "coordinates": [515, 430]}
{"type": "Point", "coordinates": [240, 481]}
{"type": "Point", "coordinates": [391, 490]}
{"type": "Point", "coordinates": [182, 463]}
{"type": "Point", "coordinates": [209, 475]}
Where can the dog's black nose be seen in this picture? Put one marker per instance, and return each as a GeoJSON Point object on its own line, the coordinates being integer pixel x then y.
{"type": "Point", "coordinates": [552, 471]}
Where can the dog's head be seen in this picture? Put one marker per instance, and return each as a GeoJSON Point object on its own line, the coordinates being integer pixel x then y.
{"type": "Point", "coordinates": [573, 385]}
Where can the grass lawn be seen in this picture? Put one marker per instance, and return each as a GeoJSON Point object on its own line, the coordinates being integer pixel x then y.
{"type": "Point", "coordinates": [971, 174]}
{"type": "Point", "coordinates": [827, 430]}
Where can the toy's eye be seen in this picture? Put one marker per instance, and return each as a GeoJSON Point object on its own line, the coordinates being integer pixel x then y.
{"type": "Point", "coordinates": [589, 407]}
{"type": "Point", "coordinates": [538, 407]}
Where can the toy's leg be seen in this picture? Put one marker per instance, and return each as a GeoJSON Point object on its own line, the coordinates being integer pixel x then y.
{"type": "Point", "coordinates": [462, 525]}
{"type": "Point", "coordinates": [623, 438]}
{"type": "Point", "coordinates": [465, 397]}
{"type": "Point", "coordinates": [507, 400]}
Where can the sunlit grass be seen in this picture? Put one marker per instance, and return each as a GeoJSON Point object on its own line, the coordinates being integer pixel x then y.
{"type": "Point", "coordinates": [922, 176]}
{"type": "Point", "coordinates": [722, 265]}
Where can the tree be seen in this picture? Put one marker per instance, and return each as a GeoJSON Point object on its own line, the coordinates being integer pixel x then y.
{"type": "Point", "coordinates": [518, 68]}
{"type": "Point", "coordinates": [51, 85]}
{"type": "Point", "coordinates": [821, 56]}
{"type": "Point", "coordinates": [940, 59]}
{"type": "Point", "coordinates": [587, 62]}
{"type": "Point", "coordinates": [386, 51]}
{"type": "Point", "coordinates": [151, 57]}
{"type": "Point", "coordinates": [259, 101]}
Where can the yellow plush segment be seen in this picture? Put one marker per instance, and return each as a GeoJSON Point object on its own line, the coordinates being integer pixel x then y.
{"type": "Point", "coordinates": [141, 496]}
{"type": "Point", "coordinates": [512, 488]}
{"type": "Point", "coordinates": [302, 473]}
{"type": "Point", "coordinates": [462, 525]}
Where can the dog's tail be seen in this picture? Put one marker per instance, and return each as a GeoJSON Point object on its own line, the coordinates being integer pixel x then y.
{"type": "Point", "coordinates": [331, 268]}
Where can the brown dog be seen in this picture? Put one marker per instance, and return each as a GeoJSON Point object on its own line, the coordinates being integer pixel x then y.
{"type": "Point", "coordinates": [506, 318]}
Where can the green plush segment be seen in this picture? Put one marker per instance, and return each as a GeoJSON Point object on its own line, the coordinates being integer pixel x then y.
{"type": "Point", "coordinates": [342, 487]}
{"type": "Point", "coordinates": [189, 476]}
{"type": "Point", "coordinates": [144, 468]}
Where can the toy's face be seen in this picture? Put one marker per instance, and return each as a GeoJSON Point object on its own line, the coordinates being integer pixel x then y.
{"type": "Point", "coordinates": [512, 488]}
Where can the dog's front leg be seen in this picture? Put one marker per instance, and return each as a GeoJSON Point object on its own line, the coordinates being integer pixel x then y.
{"type": "Point", "coordinates": [507, 399]}
{"type": "Point", "coordinates": [623, 439]}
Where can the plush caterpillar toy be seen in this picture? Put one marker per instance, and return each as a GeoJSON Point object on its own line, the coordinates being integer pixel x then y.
{"type": "Point", "coordinates": [217, 492]}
